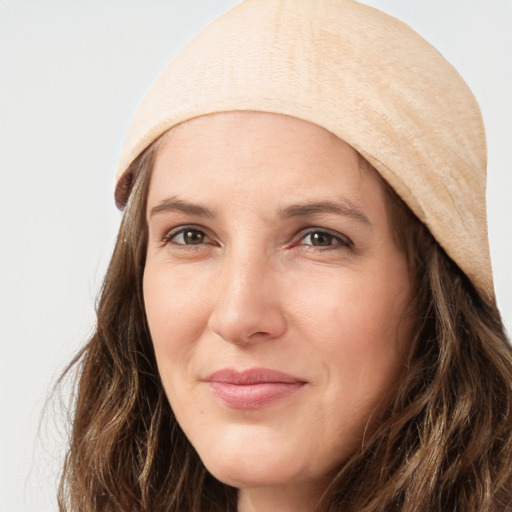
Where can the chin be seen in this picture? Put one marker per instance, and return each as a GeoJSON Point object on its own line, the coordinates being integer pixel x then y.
{"type": "Point", "coordinates": [250, 474]}
{"type": "Point", "coordinates": [268, 465]}
{"type": "Point", "coordinates": [242, 463]}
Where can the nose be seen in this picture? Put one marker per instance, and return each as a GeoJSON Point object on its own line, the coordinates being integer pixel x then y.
{"type": "Point", "coordinates": [248, 307]}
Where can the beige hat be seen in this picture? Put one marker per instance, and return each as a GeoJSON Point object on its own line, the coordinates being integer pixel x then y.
{"type": "Point", "coordinates": [361, 74]}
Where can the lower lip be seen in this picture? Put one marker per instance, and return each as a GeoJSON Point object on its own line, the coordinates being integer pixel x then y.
{"type": "Point", "coordinates": [253, 396]}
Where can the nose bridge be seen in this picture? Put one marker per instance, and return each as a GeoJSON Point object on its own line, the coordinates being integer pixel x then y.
{"type": "Point", "coordinates": [247, 306]}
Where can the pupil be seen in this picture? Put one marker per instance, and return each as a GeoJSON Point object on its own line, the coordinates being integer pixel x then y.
{"type": "Point", "coordinates": [193, 237]}
{"type": "Point", "coordinates": [321, 239]}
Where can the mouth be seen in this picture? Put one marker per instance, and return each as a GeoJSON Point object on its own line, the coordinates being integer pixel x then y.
{"type": "Point", "coordinates": [254, 388]}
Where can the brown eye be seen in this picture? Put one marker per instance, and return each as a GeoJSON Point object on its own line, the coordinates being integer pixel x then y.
{"type": "Point", "coordinates": [321, 238]}
{"type": "Point", "coordinates": [193, 237]}
{"type": "Point", "coordinates": [188, 236]}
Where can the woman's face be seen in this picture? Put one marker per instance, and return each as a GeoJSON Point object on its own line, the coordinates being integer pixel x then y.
{"type": "Point", "coordinates": [273, 290]}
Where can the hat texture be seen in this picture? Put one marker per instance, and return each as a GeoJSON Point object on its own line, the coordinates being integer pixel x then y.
{"type": "Point", "coordinates": [361, 74]}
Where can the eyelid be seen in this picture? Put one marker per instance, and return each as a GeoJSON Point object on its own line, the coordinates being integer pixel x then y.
{"type": "Point", "coordinates": [343, 240]}
{"type": "Point", "coordinates": [170, 235]}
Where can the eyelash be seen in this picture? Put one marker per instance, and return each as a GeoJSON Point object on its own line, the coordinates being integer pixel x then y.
{"type": "Point", "coordinates": [171, 236]}
{"type": "Point", "coordinates": [342, 241]}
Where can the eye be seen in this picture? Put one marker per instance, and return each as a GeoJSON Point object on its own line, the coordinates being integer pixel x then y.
{"type": "Point", "coordinates": [324, 238]}
{"type": "Point", "coordinates": [187, 236]}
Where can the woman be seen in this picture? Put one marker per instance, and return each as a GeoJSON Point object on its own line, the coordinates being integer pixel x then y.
{"type": "Point", "coordinates": [299, 312]}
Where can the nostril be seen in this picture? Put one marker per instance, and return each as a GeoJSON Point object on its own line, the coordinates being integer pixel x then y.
{"type": "Point", "coordinates": [243, 310]}
{"type": "Point", "coordinates": [262, 323]}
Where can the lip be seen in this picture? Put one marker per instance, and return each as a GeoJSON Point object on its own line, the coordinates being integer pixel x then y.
{"type": "Point", "coordinates": [254, 388]}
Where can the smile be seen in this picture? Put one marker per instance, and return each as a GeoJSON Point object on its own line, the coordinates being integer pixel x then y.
{"type": "Point", "coordinates": [252, 389]}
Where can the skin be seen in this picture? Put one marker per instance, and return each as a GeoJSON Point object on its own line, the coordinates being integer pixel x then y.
{"type": "Point", "coordinates": [260, 281]}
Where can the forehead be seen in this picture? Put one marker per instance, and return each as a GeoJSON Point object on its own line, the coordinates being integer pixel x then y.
{"type": "Point", "coordinates": [258, 154]}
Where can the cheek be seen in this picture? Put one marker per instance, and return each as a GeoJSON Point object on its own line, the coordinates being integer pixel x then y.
{"type": "Point", "coordinates": [176, 318]}
{"type": "Point", "coordinates": [354, 324]}
{"type": "Point", "coordinates": [356, 310]}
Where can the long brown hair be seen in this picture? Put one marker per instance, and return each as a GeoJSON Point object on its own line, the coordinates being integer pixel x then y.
{"type": "Point", "coordinates": [444, 442]}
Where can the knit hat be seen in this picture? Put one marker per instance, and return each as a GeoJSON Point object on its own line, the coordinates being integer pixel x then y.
{"type": "Point", "coordinates": [361, 74]}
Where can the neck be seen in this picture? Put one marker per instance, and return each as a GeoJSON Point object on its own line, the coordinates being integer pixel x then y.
{"type": "Point", "coordinates": [293, 498]}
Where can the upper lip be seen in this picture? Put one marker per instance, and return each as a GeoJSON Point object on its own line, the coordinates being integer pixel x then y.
{"type": "Point", "coordinates": [252, 376]}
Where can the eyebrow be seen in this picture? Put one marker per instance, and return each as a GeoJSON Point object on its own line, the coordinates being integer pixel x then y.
{"type": "Point", "coordinates": [173, 204]}
{"type": "Point", "coordinates": [343, 207]}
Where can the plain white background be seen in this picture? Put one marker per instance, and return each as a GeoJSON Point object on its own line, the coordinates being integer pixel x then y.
{"type": "Point", "coordinates": [71, 74]}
